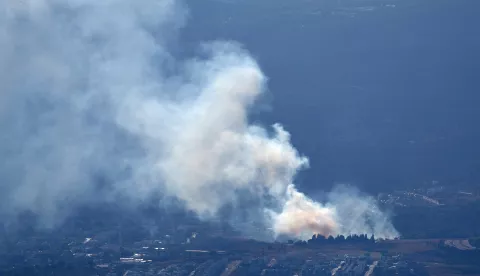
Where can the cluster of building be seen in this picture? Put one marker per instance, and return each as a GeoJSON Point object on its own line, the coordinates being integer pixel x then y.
{"type": "Point", "coordinates": [107, 256]}
{"type": "Point", "coordinates": [353, 266]}
{"type": "Point", "coordinates": [321, 266]}
{"type": "Point", "coordinates": [409, 198]}
{"type": "Point", "coordinates": [396, 265]}
{"type": "Point", "coordinates": [431, 195]}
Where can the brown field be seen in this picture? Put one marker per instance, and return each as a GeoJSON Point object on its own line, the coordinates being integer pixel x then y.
{"type": "Point", "coordinates": [451, 270]}
{"type": "Point", "coordinates": [409, 246]}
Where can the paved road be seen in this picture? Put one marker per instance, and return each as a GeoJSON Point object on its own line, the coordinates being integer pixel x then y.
{"type": "Point", "coordinates": [372, 267]}
{"type": "Point", "coordinates": [334, 271]}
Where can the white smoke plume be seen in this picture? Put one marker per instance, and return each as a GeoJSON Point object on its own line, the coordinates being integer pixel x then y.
{"type": "Point", "coordinates": [89, 86]}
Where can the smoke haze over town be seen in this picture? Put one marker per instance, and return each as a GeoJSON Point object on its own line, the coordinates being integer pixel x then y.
{"type": "Point", "coordinates": [91, 88]}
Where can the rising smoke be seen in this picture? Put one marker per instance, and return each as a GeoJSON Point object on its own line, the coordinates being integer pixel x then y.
{"type": "Point", "coordinates": [89, 87]}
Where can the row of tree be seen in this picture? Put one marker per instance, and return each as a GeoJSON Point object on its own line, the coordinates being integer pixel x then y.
{"type": "Point", "coordinates": [319, 239]}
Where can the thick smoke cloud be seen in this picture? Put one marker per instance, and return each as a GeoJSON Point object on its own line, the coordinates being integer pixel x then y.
{"type": "Point", "coordinates": [89, 88]}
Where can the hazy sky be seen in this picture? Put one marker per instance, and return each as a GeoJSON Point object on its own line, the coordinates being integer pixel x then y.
{"type": "Point", "coordinates": [377, 93]}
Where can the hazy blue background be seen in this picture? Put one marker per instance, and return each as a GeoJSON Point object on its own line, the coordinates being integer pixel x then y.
{"type": "Point", "coordinates": [381, 94]}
